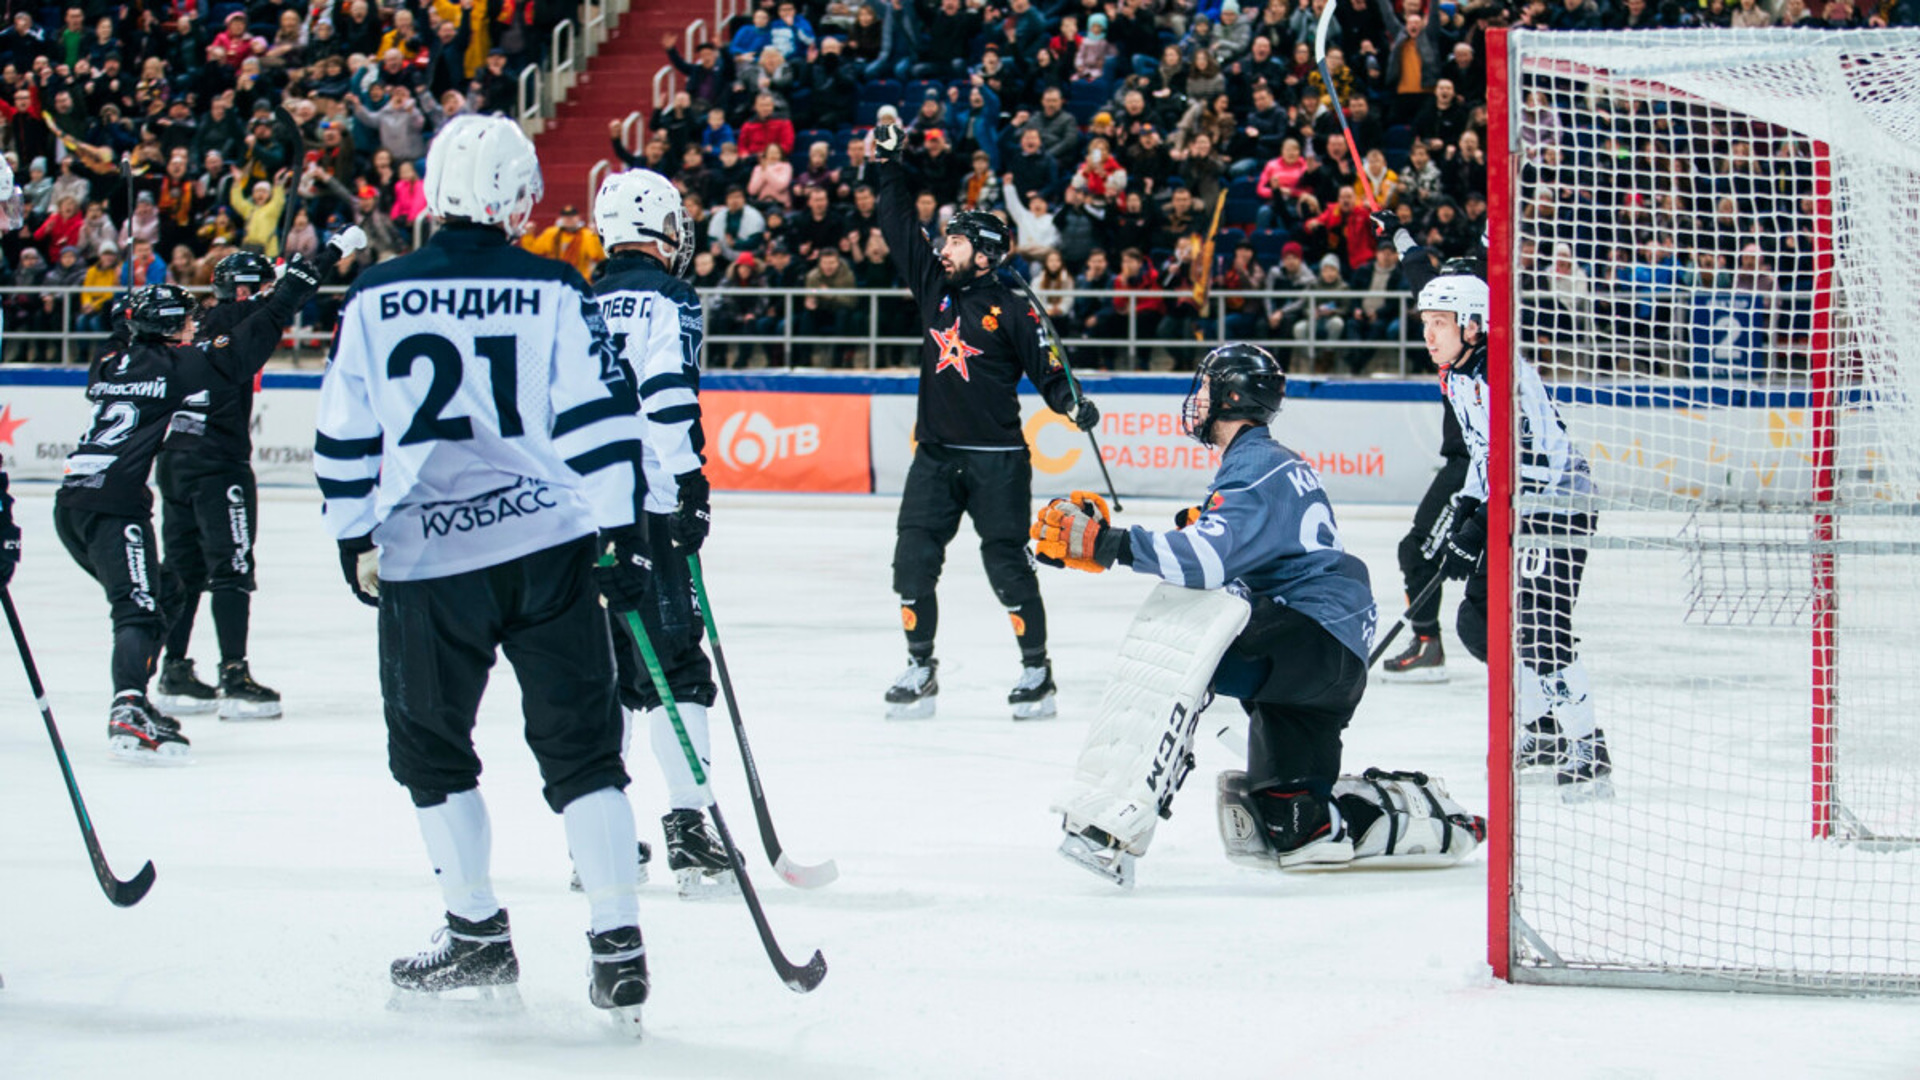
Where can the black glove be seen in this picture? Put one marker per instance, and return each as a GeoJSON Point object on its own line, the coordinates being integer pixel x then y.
{"type": "Point", "coordinates": [624, 571]}
{"type": "Point", "coordinates": [1186, 516]}
{"type": "Point", "coordinates": [888, 141]}
{"type": "Point", "coordinates": [1468, 541]}
{"type": "Point", "coordinates": [1084, 415]}
{"type": "Point", "coordinates": [301, 270]}
{"type": "Point", "coordinates": [360, 565]}
{"type": "Point", "coordinates": [9, 536]}
{"type": "Point", "coordinates": [691, 518]}
{"type": "Point", "coordinates": [1385, 222]}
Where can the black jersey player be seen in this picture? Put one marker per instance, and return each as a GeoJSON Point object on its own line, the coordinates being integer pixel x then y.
{"type": "Point", "coordinates": [971, 458]}
{"type": "Point", "coordinates": [104, 510]}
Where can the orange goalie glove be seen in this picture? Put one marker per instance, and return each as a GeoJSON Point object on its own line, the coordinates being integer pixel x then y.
{"type": "Point", "coordinates": [1073, 532]}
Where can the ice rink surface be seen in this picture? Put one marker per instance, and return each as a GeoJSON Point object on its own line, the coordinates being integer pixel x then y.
{"type": "Point", "coordinates": [291, 871]}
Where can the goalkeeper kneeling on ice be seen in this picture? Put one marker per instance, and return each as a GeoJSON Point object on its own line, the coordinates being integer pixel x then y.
{"type": "Point", "coordinates": [1260, 602]}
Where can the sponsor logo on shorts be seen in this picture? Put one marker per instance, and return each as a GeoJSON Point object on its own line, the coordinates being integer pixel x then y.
{"type": "Point", "coordinates": [137, 568]}
{"type": "Point", "coordinates": [486, 511]}
{"type": "Point", "coordinates": [237, 527]}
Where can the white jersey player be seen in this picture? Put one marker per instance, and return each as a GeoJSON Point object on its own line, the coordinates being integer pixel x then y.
{"type": "Point", "coordinates": [1555, 701]}
{"type": "Point", "coordinates": [476, 429]}
{"type": "Point", "coordinates": [655, 321]}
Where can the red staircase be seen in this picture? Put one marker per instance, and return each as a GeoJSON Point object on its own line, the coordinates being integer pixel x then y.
{"type": "Point", "coordinates": [617, 81]}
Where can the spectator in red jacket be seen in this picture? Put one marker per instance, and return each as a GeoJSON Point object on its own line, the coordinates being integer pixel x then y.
{"type": "Point", "coordinates": [765, 129]}
{"type": "Point", "coordinates": [1137, 275]}
{"type": "Point", "coordinates": [1348, 231]}
{"type": "Point", "coordinates": [62, 227]}
{"type": "Point", "coordinates": [235, 43]}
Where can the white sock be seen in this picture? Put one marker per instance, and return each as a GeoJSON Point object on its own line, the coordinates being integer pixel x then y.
{"type": "Point", "coordinates": [459, 840]}
{"type": "Point", "coordinates": [601, 836]}
{"type": "Point", "coordinates": [682, 792]}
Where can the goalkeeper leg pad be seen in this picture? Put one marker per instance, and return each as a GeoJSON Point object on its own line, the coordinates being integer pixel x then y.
{"type": "Point", "coordinates": [1405, 821]}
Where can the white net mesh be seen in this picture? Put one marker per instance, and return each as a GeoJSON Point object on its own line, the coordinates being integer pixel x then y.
{"type": "Point", "coordinates": [1735, 347]}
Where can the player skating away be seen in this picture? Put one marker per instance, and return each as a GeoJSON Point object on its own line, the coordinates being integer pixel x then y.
{"type": "Point", "coordinates": [104, 510]}
{"type": "Point", "coordinates": [971, 457]}
{"type": "Point", "coordinates": [475, 429]}
{"type": "Point", "coordinates": [210, 503]}
{"type": "Point", "coordinates": [1554, 692]}
{"type": "Point", "coordinates": [655, 319]}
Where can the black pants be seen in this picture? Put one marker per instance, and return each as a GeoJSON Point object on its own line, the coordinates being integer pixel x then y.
{"type": "Point", "coordinates": [438, 639]}
{"type": "Point", "coordinates": [118, 552]}
{"type": "Point", "coordinates": [1300, 687]}
{"type": "Point", "coordinates": [1417, 568]}
{"type": "Point", "coordinates": [1546, 586]}
{"type": "Point", "coordinates": [209, 521]}
{"type": "Point", "coordinates": [995, 489]}
{"type": "Point", "coordinates": [674, 628]}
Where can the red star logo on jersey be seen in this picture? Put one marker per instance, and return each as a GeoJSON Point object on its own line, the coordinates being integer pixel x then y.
{"type": "Point", "coordinates": [8, 425]}
{"type": "Point", "coordinates": [953, 351]}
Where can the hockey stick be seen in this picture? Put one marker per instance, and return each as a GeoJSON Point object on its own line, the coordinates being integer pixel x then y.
{"type": "Point", "coordinates": [798, 979]}
{"type": "Point", "coordinates": [119, 893]}
{"type": "Point", "coordinates": [793, 873]}
{"type": "Point", "coordinates": [289, 132]}
{"type": "Point", "coordinates": [1339, 109]}
{"type": "Point", "coordinates": [1059, 352]}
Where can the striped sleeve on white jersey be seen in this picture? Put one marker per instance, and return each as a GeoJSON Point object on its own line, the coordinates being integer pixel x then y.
{"type": "Point", "coordinates": [659, 335]}
{"type": "Point", "coordinates": [597, 428]}
{"type": "Point", "coordinates": [348, 441]}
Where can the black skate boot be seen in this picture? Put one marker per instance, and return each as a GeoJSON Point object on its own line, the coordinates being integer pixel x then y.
{"type": "Point", "coordinates": [1587, 773]}
{"type": "Point", "coordinates": [695, 855]}
{"type": "Point", "coordinates": [640, 875]}
{"type": "Point", "coordinates": [243, 699]}
{"type": "Point", "coordinates": [1304, 832]}
{"type": "Point", "coordinates": [1541, 746]}
{"type": "Point", "coordinates": [181, 693]}
{"type": "Point", "coordinates": [137, 732]}
{"type": "Point", "coordinates": [465, 956]}
{"type": "Point", "coordinates": [912, 695]}
{"type": "Point", "coordinates": [619, 976]}
{"type": "Point", "coordinates": [1424, 661]}
{"type": "Point", "coordinates": [1032, 696]}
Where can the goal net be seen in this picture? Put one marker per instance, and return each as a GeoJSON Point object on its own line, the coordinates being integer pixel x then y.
{"type": "Point", "coordinates": [1707, 243]}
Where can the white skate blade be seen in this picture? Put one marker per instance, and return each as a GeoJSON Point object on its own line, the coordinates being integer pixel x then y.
{"type": "Point", "coordinates": [1587, 791]}
{"type": "Point", "coordinates": [1111, 864]}
{"type": "Point", "coordinates": [1319, 855]}
{"type": "Point", "coordinates": [181, 705]}
{"type": "Point", "coordinates": [459, 1001]}
{"type": "Point", "coordinates": [231, 709]}
{"type": "Point", "coordinates": [911, 710]}
{"type": "Point", "coordinates": [1036, 710]}
{"type": "Point", "coordinates": [128, 748]}
{"type": "Point", "coordinates": [626, 1021]}
{"type": "Point", "coordinates": [1415, 675]}
{"type": "Point", "coordinates": [696, 884]}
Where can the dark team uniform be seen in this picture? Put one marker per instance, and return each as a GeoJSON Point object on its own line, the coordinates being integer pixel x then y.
{"type": "Point", "coordinates": [972, 458]}
{"type": "Point", "coordinates": [208, 496]}
{"type": "Point", "coordinates": [104, 509]}
{"type": "Point", "coordinates": [1420, 555]}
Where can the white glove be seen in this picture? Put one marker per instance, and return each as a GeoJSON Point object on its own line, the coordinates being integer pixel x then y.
{"type": "Point", "coordinates": [349, 240]}
{"type": "Point", "coordinates": [888, 139]}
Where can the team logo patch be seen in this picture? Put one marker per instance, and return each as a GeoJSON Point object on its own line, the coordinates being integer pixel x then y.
{"type": "Point", "coordinates": [221, 341]}
{"type": "Point", "coordinates": [946, 302]}
{"type": "Point", "coordinates": [908, 619]}
{"type": "Point", "coordinates": [1217, 501]}
{"type": "Point", "coordinates": [1019, 624]}
{"type": "Point", "coordinates": [992, 321]}
{"type": "Point", "coordinates": [954, 352]}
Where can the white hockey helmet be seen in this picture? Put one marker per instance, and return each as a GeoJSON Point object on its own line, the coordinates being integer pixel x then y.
{"type": "Point", "coordinates": [640, 206]}
{"type": "Point", "coordinates": [13, 209]}
{"type": "Point", "coordinates": [1463, 294]}
{"type": "Point", "coordinates": [484, 169]}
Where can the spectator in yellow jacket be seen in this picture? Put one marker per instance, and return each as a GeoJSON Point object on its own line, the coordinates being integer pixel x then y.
{"type": "Point", "coordinates": [259, 210]}
{"type": "Point", "coordinates": [481, 43]}
{"type": "Point", "coordinates": [103, 277]}
{"type": "Point", "coordinates": [569, 241]}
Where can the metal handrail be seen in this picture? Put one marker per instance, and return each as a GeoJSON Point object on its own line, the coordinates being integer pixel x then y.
{"type": "Point", "coordinates": [564, 55]}
{"type": "Point", "coordinates": [530, 105]}
{"type": "Point", "coordinates": [634, 119]}
{"type": "Point", "coordinates": [594, 175]}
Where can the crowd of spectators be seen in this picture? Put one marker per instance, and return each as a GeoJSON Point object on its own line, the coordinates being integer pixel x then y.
{"type": "Point", "coordinates": [1105, 130]}
{"type": "Point", "coordinates": [152, 139]}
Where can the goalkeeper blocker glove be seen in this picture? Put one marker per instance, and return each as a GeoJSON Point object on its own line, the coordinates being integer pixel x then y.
{"type": "Point", "coordinates": [360, 565]}
{"type": "Point", "coordinates": [1468, 540]}
{"type": "Point", "coordinates": [624, 572]}
{"type": "Point", "coordinates": [1073, 532]}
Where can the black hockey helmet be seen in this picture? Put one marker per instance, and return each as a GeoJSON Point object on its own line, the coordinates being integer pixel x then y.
{"type": "Point", "coordinates": [240, 268]}
{"type": "Point", "coordinates": [157, 312]}
{"type": "Point", "coordinates": [985, 231]}
{"type": "Point", "coordinates": [1233, 382]}
{"type": "Point", "coordinates": [118, 329]}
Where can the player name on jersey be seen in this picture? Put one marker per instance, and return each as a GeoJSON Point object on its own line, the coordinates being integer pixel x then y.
{"type": "Point", "coordinates": [460, 303]}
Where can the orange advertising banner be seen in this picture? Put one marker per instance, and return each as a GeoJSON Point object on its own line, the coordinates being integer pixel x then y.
{"type": "Point", "coordinates": [787, 442]}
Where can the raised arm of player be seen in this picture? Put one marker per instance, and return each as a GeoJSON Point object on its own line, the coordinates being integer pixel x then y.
{"type": "Point", "coordinates": [913, 256]}
{"type": "Point", "coordinates": [245, 349]}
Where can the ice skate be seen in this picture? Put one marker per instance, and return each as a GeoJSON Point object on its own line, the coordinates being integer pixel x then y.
{"type": "Point", "coordinates": [1032, 697]}
{"type": "Point", "coordinates": [1423, 661]}
{"type": "Point", "coordinates": [1587, 774]}
{"type": "Point", "coordinates": [1542, 749]}
{"type": "Point", "coordinates": [695, 855]}
{"type": "Point", "coordinates": [181, 693]}
{"type": "Point", "coordinates": [618, 977]}
{"type": "Point", "coordinates": [913, 694]}
{"type": "Point", "coordinates": [137, 732]}
{"type": "Point", "coordinates": [1241, 834]}
{"type": "Point", "coordinates": [640, 874]}
{"type": "Point", "coordinates": [243, 699]}
{"type": "Point", "coordinates": [1101, 854]}
{"type": "Point", "coordinates": [1304, 832]}
{"type": "Point", "coordinates": [467, 962]}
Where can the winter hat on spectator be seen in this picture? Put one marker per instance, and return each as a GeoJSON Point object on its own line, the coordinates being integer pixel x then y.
{"type": "Point", "coordinates": [1097, 25]}
{"type": "Point", "coordinates": [1330, 259]}
{"type": "Point", "coordinates": [1230, 7]}
{"type": "Point", "coordinates": [1293, 249]}
{"type": "Point", "coordinates": [746, 259]}
{"type": "Point", "coordinates": [38, 163]}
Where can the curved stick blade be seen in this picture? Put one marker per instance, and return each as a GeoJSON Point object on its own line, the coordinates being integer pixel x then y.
{"type": "Point", "coordinates": [802, 876]}
{"type": "Point", "coordinates": [129, 893]}
{"type": "Point", "coordinates": [804, 979]}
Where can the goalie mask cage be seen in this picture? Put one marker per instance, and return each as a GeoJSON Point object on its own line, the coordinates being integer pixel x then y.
{"type": "Point", "coordinates": [1708, 244]}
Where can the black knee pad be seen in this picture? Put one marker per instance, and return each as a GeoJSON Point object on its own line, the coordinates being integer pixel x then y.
{"type": "Point", "coordinates": [917, 560]}
{"type": "Point", "coordinates": [1010, 571]}
{"type": "Point", "coordinates": [1472, 626]}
